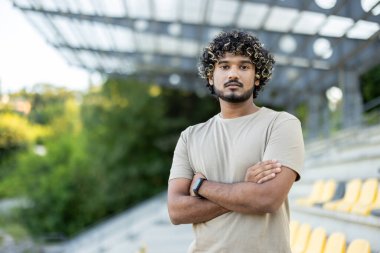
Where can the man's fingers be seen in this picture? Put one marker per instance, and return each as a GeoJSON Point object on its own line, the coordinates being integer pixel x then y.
{"type": "Point", "coordinates": [265, 163]}
{"type": "Point", "coordinates": [266, 178]}
{"type": "Point", "coordinates": [268, 172]}
{"type": "Point", "coordinates": [257, 170]}
{"type": "Point", "coordinates": [263, 171]}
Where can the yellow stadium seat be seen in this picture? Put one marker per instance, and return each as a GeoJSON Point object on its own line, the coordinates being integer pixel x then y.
{"type": "Point", "coordinates": [350, 197]}
{"type": "Point", "coordinates": [360, 196]}
{"type": "Point", "coordinates": [336, 243]}
{"type": "Point", "coordinates": [368, 197]}
{"type": "Point", "coordinates": [317, 241]}
{"type": "Point", "coordinates": [328, 191]}
{"type": "Point", "coordinates": [359, 246]}
{"type": "Point", "coordinates": [302, 238]}
{"type": "Point", "coordinates": [293, 228]}
{"type": "Point", "coordinates": [314, 196]}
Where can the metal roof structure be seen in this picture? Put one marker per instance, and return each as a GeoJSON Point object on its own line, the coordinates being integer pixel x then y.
{"type": "Point", "coordinates": [316, 43]}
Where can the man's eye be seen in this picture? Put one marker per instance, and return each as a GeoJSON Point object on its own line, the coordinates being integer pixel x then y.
{"type": "Point", "coordinates": [224, 67]}
{"type": "Point", "coordinates": [244, 67]}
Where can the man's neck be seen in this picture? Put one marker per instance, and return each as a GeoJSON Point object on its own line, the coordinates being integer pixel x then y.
{"type": "Point", "coordinates": [235, 110]}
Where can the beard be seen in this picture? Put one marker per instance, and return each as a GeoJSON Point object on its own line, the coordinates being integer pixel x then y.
{"type": "Point", "coordinates": [233, 97]}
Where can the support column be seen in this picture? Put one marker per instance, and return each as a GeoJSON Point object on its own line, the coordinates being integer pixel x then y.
{"type": "Point", "coordinates": [326, 117]}
{"type": "Point", "coordinates": [352, 99]}
{"type": "Point", "coordinates": [314, 116]}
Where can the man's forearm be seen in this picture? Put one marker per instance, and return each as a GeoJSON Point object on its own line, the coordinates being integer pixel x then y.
{"type": "Point", "coordinates": [248, 197]}
{"type": "Point", "coordinates": [244, 197]}
{"type": "Point", "coordinates": [189, 209]}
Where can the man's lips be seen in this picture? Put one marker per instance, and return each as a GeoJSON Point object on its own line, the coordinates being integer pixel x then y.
{"type": "Point", "coordinates": [233, 84]}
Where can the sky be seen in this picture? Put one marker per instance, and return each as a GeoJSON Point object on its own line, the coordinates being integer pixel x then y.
{"type": "Point", "coordinates": [26, 59]}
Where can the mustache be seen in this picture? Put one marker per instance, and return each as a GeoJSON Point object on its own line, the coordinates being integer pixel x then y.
{"type": "Point", "coordinates": [233, 82]}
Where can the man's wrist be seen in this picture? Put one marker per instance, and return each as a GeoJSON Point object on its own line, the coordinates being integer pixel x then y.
{"type": "Point", "coordinates": [197, 186]}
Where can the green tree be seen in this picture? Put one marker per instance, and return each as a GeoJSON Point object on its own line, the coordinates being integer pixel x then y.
{"type": "Point", "coordinates": [370, 84]}
{"type": "Point", "coordinates": [135, 135]}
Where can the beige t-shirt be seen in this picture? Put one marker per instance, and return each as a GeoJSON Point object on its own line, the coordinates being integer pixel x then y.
{"type": "Point", "coordinates": [222, 150]}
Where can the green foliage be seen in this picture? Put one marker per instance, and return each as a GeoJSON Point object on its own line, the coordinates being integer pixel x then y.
{"type": "Point", "coordinates": [135, 135]}
{"type": "Point", "coordinates": [103, 156]}
{"type": "Point", "coordinates": [16, 134]}
{"type": "Point", "coordinates": [47, 102]}
{"type": "Point", "coordinates": [370, 84]}
{"type": "Point", "coordinates": [64, 199]}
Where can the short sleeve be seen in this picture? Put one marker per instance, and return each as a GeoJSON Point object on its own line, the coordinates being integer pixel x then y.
{"type": "Point", "coordinates": [181, 167]}
{"type": "Point", "coordinates": [286, 144]}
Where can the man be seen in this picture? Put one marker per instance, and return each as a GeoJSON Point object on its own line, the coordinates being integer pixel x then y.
{"type": "Point", "coordinates": [231, 175]}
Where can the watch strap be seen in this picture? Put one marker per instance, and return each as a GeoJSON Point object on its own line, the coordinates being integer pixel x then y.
{"type": "Point", "coordinates": [197, 186]}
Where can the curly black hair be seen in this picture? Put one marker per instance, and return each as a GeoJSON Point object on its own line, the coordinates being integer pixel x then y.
{"type": "Point", "coordinates": [238, 43]}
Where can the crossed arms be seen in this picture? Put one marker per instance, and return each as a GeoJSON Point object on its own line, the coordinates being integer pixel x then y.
{"type": "Point", "coordinates": [263, 191]}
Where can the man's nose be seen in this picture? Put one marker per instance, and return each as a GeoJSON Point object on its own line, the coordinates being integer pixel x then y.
{"type": "Point", "coordinates": [233, 74]}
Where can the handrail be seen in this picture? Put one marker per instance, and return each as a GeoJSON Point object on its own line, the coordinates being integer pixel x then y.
{"type": "Point", "coordinates": [371, 104]}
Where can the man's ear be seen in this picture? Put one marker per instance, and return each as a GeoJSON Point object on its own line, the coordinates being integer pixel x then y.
{"type": "Point", "coordinates": [257, 82]}
{"type": "Point", "coordinates": [210, 81]}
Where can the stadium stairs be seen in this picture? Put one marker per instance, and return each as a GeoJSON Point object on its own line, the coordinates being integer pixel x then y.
{"type": "Point", "coordinates": [350, 162]}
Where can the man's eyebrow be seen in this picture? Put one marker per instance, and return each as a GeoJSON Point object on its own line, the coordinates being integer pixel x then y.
{"type": "Point", "coordinates": [241, 62]}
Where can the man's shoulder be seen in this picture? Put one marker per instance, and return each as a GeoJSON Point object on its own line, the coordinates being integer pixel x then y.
{"type": "Point", "coordinates": [280, 116]}
{"type": "Point", "coordinates": [203, 126]}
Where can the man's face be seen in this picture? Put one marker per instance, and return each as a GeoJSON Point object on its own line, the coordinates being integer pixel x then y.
{"type": "Point", "coordinates": [234, 78]}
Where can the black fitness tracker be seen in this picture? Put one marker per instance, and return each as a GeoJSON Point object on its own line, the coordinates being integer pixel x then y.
{"type": "Point", "coordinates": [197, 186]}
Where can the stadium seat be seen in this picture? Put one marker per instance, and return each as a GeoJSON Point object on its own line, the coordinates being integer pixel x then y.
{"type": "Point", "coordinates": [302, 238]}
{"type": "Point", "coordinates": [367, 197]}
{"type": "Point", "coordinates": [293, 228]}
{"type": "Point", "coordinates": [369, 187]}
{"type": "Point", "coordinates": [328, 191]}
{"type": "Point", "coordinates": [336, 243]}
{"type": "Point", "coordinates": [314, 196]}
{"type": "Point", "coordinates": [350, 197]}
{"type": "Point", "coordinates": [317, 241]}
{"type": "Point", "coordinates": [359, 246]}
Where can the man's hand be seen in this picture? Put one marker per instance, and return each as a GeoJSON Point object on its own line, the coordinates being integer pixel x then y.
{"type": "Point", "coordinates": [196, 176]}
{"type": "Point", "coordinates": [262, 171]}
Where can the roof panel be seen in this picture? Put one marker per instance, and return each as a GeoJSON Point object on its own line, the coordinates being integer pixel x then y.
{"type": "Point", "coordinates": [89, 59]}
{"type": "Point", "coordinates": [362, 30]}
{"type": "Point", "coordinates": [222, 12]}
{"type": "Point", "coordinates": [336, 26]}
{"type": "Point", "coordinates": [367, 5]}
{"type": "Point", "coordinates": [86, 7]}
{"type": "Point", "coordinates": [145, 42]}
{"type": "Point", "coordinates": [168, 45]}
{"type": "Point", "coordinates": [48, 5]}
{"type": "Point", "coordinates": [103, 38]}
{"type": "Point", "coordinates": [138, 9]}
{"type": "Point", "coordinates": [70, 56]}
{"type": "Point", "coordinates": [66, 28]}
{"type": "Point", "coordinates": [283, 24]}
{"type": "Point", "coordinates": [44, 27]}
{"type": "Point", "coordinates": [309, 22]}
{"type": "Point", "coordinates": [23, 3]}
{"type": "Point", "coordinates": [86, 29]}
{"type": "Point", "coordinates": [252, 15]}
{"type": "Point", "coordinates": [72, 6]}
{"type": "Point", "coordinates": [65, 6]}
{"type": "Point", "coordinates": [192, 11]}
{"type": "Point", "coordinates": [189, 48]}
{"type": "Point", "coordinates": [114, 8]}
{"type": "Point", "coordinates": [124, 40]}
{"type": "Point", "coordinates": [166, 10]}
